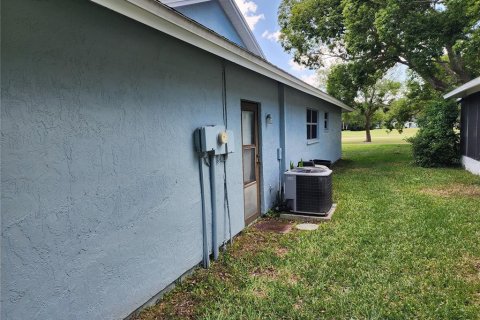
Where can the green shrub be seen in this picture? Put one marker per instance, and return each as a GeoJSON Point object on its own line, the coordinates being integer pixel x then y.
{"type": "Point", "coordinates": [437, 143]}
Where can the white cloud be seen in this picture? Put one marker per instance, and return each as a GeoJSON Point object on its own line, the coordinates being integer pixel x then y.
{"type": "Point", "coordinates": [296, 66]}
{"type": "Point", "coordinates": [302, 72]}
{"type": "Point", "coordinates": [249, 11]}
{"type": "Point", "coordinates": [310, 79]}
{"type": "Point", "coordinates": [273, 36]}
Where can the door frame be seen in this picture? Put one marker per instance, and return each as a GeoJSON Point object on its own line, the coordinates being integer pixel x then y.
{"type": "Point", "coordinates": [248, 105]}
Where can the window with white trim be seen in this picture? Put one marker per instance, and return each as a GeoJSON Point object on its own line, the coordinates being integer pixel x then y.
{"type": "Point", "coordinates": [312, 124]}
{"type": "Point", "coordinates": [325, 121]}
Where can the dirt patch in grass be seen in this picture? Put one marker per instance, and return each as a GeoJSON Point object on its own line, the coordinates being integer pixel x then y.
{"type": "Point", "coordinates": [271, 225]}
{"type": "Point", "coordinates": [293, 279]}
{"type": "Point", "coordinates": [259, 293]}
{"type": "Point", "coordinates": [470, 269]}
{"type": "Point", "coordinates": [268, 272]}
{"type": "Point", "coordinates": [180, 305]}
{"type": "Point", "coordinates": [281, 252]}
{"type": "Point", "coordinates": [248, 243]}
{"type": "Point", "coordinates": [253, 241]}
{"type": "Point", "coordinates": [298, 305]}
{"type": "Point", "coordinates": [455, 189]}
{"type": "Point", "coordinates": [223, 275]}
{"type": "Point", "coordinates": [476, 299]}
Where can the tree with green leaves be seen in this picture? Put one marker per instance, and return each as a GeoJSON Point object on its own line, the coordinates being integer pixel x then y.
{"type": "Point", "coordinates": [437, 143]}
{"type": "Point", "coordinates": [416, 98]}
{"type": "Point", "coordinates": [367, 94]}
{"type": "Point", "coordinates": [438, 39]}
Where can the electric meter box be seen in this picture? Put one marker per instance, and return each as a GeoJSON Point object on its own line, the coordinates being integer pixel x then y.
{"type": "Point", "coordinates": [214, 139]}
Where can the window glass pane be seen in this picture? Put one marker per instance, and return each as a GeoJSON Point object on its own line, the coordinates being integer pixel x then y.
{"type": "Point", "coordinates": [314, 116]}
{"type": "Point", "coordinates": [250, 200]}
{"type": "Point", "coordinates": [314, 132]}
{"type": "Point", "coordinates": [308, 131]}
{"type": "Point", "coordinates": [248, 127]}
{"type": "Point", "coordinates": [248, 165]}
{"type": "Point", "coordinates": [309, 115]}
{"type": "Point", "coordinates": [326, 115]}
{"type": "Point", "coordinates": [326, 124]}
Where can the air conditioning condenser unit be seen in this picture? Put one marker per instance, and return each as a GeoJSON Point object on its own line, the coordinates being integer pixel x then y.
{"type": "Point", "coordinates": [309, 189]}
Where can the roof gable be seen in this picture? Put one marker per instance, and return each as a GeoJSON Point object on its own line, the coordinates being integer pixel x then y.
{"type": "Point", "coordinates": [161, 17]}
{"type": "Point", "coordinates": [232, 25]}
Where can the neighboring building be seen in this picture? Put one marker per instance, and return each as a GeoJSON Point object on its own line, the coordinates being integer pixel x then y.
{"type": "Point", "coordinates": [469, 95]}
{"type": "Point", "coordinates": [411, 124]}
{"type": "Point", "coordinates": [101, 204]}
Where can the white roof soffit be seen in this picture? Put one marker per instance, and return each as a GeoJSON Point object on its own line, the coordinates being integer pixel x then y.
{"type": "Point", "coordinates": [465, 90]}
{"type": "Point", "coordinates": [179, 3]}
{"type": "Point", "coordinates": [159, 16]}
{"type": "Point", "coordinates": [234, 15]}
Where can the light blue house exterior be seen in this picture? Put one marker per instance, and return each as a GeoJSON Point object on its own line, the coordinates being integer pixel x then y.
{"type": "Point", "coordinates": [100, 191]}
{"type": "Point", "coordinates": [211, 14]}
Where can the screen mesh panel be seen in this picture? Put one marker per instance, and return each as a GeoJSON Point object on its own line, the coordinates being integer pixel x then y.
{"type": "Point", "coordinates": [314, 194]}
{"type": "Point", "coordinates": [471, 126]}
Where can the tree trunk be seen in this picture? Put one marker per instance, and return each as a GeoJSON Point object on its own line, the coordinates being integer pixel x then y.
{"type": "Point", "coordinates": [457, 65]}
{"type": "Point", "coordinates": [367, 128]}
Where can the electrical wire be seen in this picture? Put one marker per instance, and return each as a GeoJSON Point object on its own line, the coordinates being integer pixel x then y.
{"type": "Point", "coordinates": [226, 205]}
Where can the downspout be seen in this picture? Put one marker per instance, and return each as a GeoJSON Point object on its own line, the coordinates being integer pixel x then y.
{"type": "Point", "coordinates": [206, 260]}
{"type": "Point", "coordinates": [213, 195]}
{"type": "Point", "coordinates": [281, 102]}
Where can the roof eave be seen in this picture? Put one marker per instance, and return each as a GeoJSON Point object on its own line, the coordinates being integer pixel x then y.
{"type": "Point", "coordinates": [161, 17]}
{"type": "Point", "coordinates": [464, 90]}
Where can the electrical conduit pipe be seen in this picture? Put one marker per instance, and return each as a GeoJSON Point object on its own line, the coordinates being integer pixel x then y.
{"type": "Point", "coordinates": [213, 195]}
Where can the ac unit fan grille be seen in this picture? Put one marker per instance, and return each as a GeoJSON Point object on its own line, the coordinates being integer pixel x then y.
{"type": "Point", "coordinates": [314, 194]}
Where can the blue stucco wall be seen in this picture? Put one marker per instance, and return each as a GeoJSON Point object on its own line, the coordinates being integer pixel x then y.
{"type": "Point", "coordinates": [242, 86]}
{"type": "Point", "coordinates": [329, 145]}
{"type": "Point", "coordinates": [100, 198]}
{"type": "Point", "coordinates": [100, 194]}
{"type": "Point", "coordinates": [211, 15]}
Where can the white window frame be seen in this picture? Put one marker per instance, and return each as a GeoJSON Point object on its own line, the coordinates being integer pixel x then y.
{"type": "Point", "coordinates": [310, 124]}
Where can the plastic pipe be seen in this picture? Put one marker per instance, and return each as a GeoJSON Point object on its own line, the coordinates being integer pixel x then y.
{"type": "Point", "coordinates": [213, 196]}
{"type": "Point", "coordinates": [206, 260]}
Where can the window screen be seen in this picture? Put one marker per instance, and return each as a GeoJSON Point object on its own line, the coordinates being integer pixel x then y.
{"type": "Point", "coordinates": [312, 124]}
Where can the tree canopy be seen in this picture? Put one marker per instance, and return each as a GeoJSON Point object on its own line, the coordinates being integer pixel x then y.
{"type": "Point", "coordinates": [417, 96]}
{"type": "Point", "coordinates": [438, 39]}
{"type": "Point", "coordinates": [368, 95]}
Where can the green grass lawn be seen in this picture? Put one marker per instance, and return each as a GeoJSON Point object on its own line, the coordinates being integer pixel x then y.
{"type": "Point", "coordinates": [404, 243]}
{"type": "Point", "coordinates": [379, 136]}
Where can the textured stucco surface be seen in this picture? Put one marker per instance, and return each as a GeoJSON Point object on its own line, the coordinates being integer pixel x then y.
{"type": "Point", "coordinates": [242, 86]}
{"type": "Point", "coordinates": [329, 145]}
{"type": "Point", "coordinates": [100, 192]}
{"type": "Point", "coordinates": [100, 197]}
{"type": "Point", "coordinates": [211, 15]}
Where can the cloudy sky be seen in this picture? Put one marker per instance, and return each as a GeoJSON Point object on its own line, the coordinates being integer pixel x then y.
{"type": "Point", "coordinates": [261, 16]}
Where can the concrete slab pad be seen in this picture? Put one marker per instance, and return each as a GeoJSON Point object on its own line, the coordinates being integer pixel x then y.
{"type": "Point", "coordinates": [307, 226]}
{"type": "Point", "coordinates": [311, 218]}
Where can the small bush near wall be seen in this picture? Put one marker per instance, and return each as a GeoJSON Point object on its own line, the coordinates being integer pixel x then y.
{"type": "Point", "coordinates": [437, 143]}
